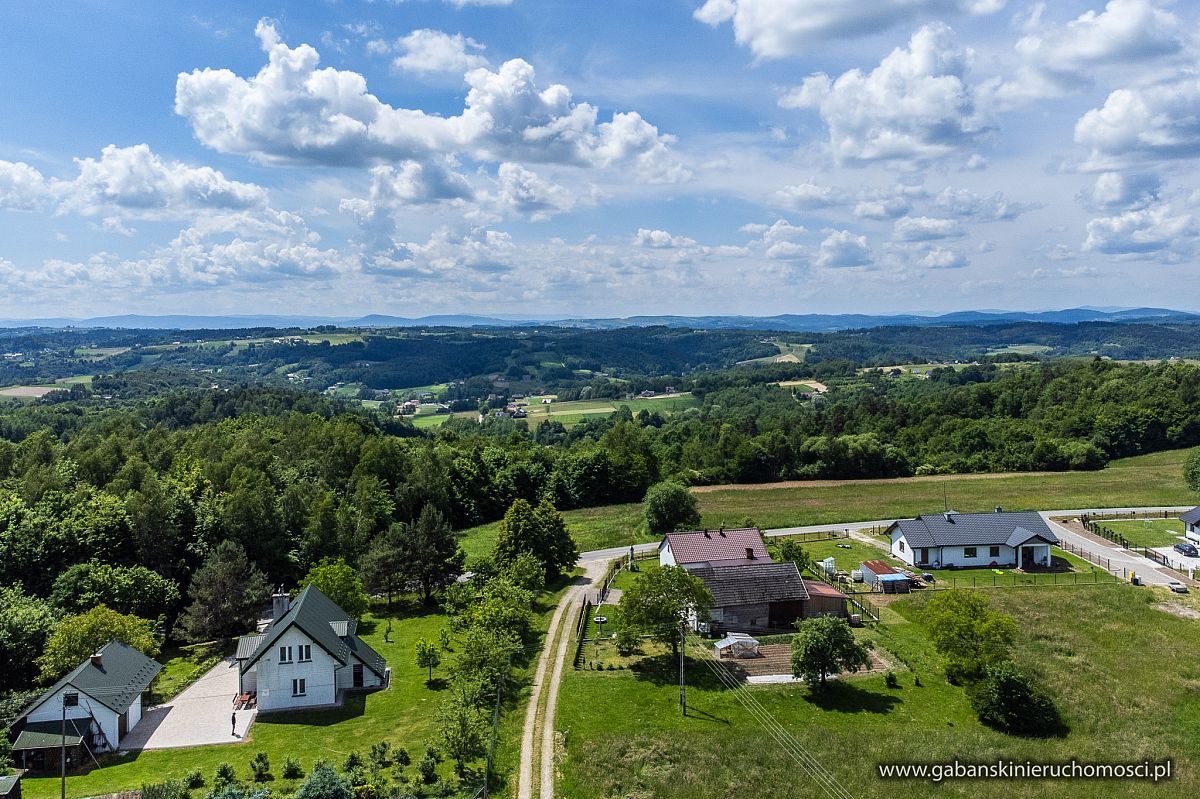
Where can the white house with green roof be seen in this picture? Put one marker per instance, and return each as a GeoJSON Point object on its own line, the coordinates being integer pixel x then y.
{"type": "Point", "coordinates": [309, 656]}
{"type": "Point", "coordinates": [103, 702]}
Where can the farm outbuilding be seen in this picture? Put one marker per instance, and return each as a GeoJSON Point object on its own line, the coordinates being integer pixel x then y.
{"type": "Point", "coordinates": [882, 577]}
{"type": "Point", "coordinates": [762, 596]}
{"type": "Point", "coordinates": [823, 600]}
{"type": "Point", "coordinates": [736, 645]}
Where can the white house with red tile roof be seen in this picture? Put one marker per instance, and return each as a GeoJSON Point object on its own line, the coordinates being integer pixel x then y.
{"type": "Point", "coordinates": [699, 549]}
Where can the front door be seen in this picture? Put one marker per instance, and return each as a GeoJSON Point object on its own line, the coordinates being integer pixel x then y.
{"type": "Point", "coordinates": [358, 675]}
{"type": "Point", "coordinates": [1027, 557]}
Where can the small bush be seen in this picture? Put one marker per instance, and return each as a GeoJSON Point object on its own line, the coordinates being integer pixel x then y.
{"type": "Point", "coordinates": [260, 767]}
{"type": "Point", "coordinates": [427, 768]}
{"type": "Point", "coordinates": [291, 769]}
{"type": "Point", "coordinates": [1009, 701]}
{"type": "Point", "coordinates": [380, 754]}
{"type": "Point", "coordinates": [433, 754]}
{"type": "Point", "coordinates": [194, 779]}
{"type": "Point", "coordinates": [891, 680]}
{"type": "Point", "coordinates": [226, 775]}
{"type": "Point", "coordinates": [628, 641]}
{"type": "Point", "coordinates": [401, 757]}
{"type": "Point", "coordinates": [444, 639]}
{"type": "Point", "coordinates": [353, 761]}
{"type": "Point", "coordinates": [171, 789]}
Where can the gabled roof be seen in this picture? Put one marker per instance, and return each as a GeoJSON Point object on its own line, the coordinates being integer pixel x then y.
{"type": "Point", "coordinates": [717, 547]}
{"type": "Point", "coordinates": [329, 627]}
{"type": "Point", "coordinates": [1021, 536]}
{"type": "Point", "coordinates": [120, 678]}
{"type": "Point", "coordinates": [753, 584]}
{"type": "Point", "coordinates": [315, 615]}
{"type": "Point", "coordinates": [973, 529]}
{"type": "Point", "coordinates": [1191, 516]}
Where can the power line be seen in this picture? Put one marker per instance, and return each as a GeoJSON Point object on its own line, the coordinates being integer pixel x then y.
{"type": "Point", "coordinates": [806, 760]}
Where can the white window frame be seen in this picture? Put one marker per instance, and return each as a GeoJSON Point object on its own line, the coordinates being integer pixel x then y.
{"type": "Point", "coordinates": [298, 687]}
{"type": "Point", "coordinates": [993, 551]}
{"type": "Point", "coordinates": [285, 654]}
{"type": "Point", "coordinates": [970, 552]}
{"type": "Point", "coordinates": [304, 655]}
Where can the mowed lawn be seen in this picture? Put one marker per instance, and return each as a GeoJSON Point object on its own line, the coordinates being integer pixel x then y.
{"type": "Point", "coordinates": [403, 715]}
{"type": "Point", "coordinates": [1148, 532]}
{"type": "Point", "coordinates": [1099, 650]}
{"type": "Point", "coordinates": [1155, 479]}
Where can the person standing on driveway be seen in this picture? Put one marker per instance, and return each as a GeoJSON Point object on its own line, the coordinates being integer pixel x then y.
{"type": "Point", "coordinates": [233, 722]}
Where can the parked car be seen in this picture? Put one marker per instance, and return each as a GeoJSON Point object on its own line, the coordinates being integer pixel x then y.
{"type": "Point", "coordinates": [1177, 587]}
{"type": "Point", "coordinates": [1187, 549]}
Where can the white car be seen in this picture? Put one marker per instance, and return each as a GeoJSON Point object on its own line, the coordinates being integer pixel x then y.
{"type": "Point", "coordinates": [1177, 587]}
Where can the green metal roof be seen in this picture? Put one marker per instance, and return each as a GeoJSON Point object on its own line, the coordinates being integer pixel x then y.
{"type": "Point", "coordinates": [316, 615]}
{"type": "Point", "coordinates": [8, 783]}
{"type": "Point", "coordinates": [48, 734]}
{"type": "Point", "coordinates": [120, 678]}
{"type": "Point", "coordinates": [372, 659]}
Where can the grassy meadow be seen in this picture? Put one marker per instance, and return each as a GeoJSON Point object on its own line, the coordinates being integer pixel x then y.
{"type": "Point", "coordinates": [1148, 532]}
{"type": "Point", "coordinates": [1155, 479]}
{"type": "Point", "coordinates": [1099, 650]}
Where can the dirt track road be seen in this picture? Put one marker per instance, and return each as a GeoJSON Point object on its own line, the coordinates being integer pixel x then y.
{"type": "Point", "coordinates": [537, 736]}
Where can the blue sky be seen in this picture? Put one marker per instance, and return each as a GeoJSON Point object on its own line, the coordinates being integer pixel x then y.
{"type": "Point", "coordinates": [583, 159]}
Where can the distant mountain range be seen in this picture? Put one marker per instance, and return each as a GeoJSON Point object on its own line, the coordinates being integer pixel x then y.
{"type": "Point", "coordinates": [813, 323]}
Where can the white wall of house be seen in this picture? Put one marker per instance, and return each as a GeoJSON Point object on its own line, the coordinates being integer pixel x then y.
{"type": "Point", "coordinates": [274, 679]}
{"type": "Point", "coordinates": [978, 556]}
{"type": "Point", "coordinates": [134, 714]}
{"type": "Point", "coordinates": [1191, 531]}
{"type": "Point", "coordinates": [665, 556]}
{"type": "Point", "coordinates": [345, 676]}
{"type": "Point", "coordinates": [900, 548]}
{"type": "Point", "coordinates": [51, 710]}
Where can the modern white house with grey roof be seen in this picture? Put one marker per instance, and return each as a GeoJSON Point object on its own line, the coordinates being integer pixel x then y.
{"type": "Point", "coordinates": [953, 540]}
{"type": "Point", "coordinates": [1191, 524]}
{"type": "Point", "coordinates": [309, 656]}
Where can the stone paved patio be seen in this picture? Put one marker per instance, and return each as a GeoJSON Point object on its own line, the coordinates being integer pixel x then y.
{"type": "Point", "coordinates": [198, 716]}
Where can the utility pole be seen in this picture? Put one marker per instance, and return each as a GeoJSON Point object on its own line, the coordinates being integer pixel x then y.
{"type": "Point", "coordinates": [682, 684]}
{"type": "Point", "coordinates": [68, 700]}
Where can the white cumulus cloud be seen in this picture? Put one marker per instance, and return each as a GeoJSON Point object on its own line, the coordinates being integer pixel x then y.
{"type": "Point", "coordinates": [426, 50]}
{"type": "Point", "coordinates": [915, 106]}
{"type": "Point", "coordinates": [779, 28]}
{"type": "Point", "coordinates": [841, 248]}
{"type": "Point", "coordinates": [1149, 123]}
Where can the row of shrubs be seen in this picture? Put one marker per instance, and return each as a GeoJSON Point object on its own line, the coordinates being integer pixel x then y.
{"type": "Point", "coordinates": [360, 778]}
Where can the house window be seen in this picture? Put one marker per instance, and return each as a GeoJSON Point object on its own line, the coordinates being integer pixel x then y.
{"type": "Point", "coordinates": [285, 654]}
{"type": "Point", "coordinates": [298, 687]}
{"type": "Point", "coordinates": [969, 552]}
{"type": "Point", "coordinates": [305, 652]}
{"type": "Point", "coordinates": [993, 552]}
{"type": "Point", "coordinates": [901, 546]}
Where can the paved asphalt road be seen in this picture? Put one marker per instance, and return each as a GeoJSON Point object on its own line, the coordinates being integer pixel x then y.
{"type": "Point", "coordinates": [1119, 558]}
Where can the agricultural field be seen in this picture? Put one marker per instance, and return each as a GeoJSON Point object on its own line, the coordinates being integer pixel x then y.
{"type": "Point", "coordinates": [624, 735]}
{"type": "Point", "coordinates": [1020, 349]}
{"type": "Point", "coordinates": [403, 715]}
{"type": "Point", "coordinates": [788, 353]}
{"type": "Point", "coordinates": [1155, 479]}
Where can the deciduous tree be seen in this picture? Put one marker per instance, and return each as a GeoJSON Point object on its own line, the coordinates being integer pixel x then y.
{"type": "Point", "coordinates": [969, 635]}
{"type": "Point", "coordinates": [78, 637]}
{"type": "Point", "coordinates": [826, 645]}
{"type": "Point", "coordinates": [668, 507]}
{"type": "Point", "coordinates": [660, 600]}
{"type": "Point", "coordinates": [338, 580]}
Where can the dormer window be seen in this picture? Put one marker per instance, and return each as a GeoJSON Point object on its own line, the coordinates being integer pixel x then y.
{"type": "Point", "coordinates": [749, 553]}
